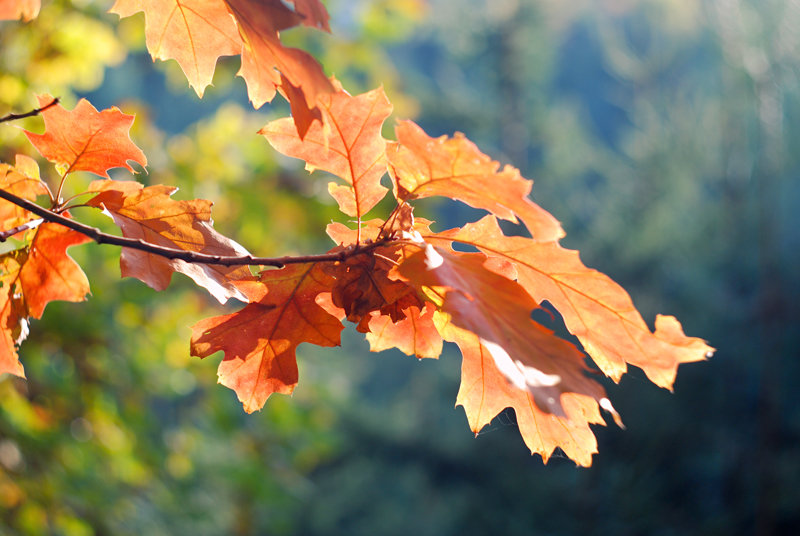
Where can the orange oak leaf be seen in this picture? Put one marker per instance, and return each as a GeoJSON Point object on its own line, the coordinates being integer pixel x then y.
{"type": "Point", "coordinates": [302, 114]}
{"type": "Point", "coordinates": [313, 12]}
{"type": "Point", "coordinates": [498, 311]}
{"type": "Point", "coordinates": [260, 340]}
{"type": "Point", "coordinates": [454, 167]}
{"type": "Point", "coordinates": [195, 33]}
{"type": "Point", "coordinates": [414, 334]}
{"type": "Point", "coordinates": [484, 392]}
{"type": "Point", "coordinates": [349, 145]}
{"type": "Point", "coordinates": [19, 9]}
{"type": "Point", "coordinates": [150, 214]}
{"type": "Point", "coordinates": [31, 278]}
{"type": "Point", "coordinates": [595, 309]}
{"type": "Point", "coordinates": [21, 180]}
{"type": "Point", "coordinates": [86, 140]}
{"type": "Point", "coordinates": [264, 56]}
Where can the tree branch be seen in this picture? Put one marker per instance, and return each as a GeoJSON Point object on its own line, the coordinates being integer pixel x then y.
{"type": "Point", "coordinates": [37, 111]}
{"type": "Point", "coordinates": [5, 235]}
{"type": "Point", "coordinates": [174, 253]}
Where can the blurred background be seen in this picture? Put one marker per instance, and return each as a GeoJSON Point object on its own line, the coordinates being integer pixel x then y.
{"type": "Point", "coordinates": [664, 134]}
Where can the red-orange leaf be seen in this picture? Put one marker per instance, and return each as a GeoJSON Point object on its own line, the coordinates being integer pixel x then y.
{"type": "Point", "coordinates": [31, 278]}
{"type": "Point", "coordinates": [595, 309]}
{"type": "Point", "coordinates": [454, 167]}
{"type": "Point", "coordinates": [86, 140]}
{"type": "Point", "coordinates": [195, 33]}
{"type": "Point", "coordinates": [349, 145]}
{"type": "Point", "coordinates": [498, 311]}
{"type": "Point", "coordinates": [264, 56]}
{"type": "Point", "coordinates": [151, 215]}
{"type": "Point", "coordinates": [485, 392]}
{"type": "Point", "coordinates": [260, 340]}
{"type": "Point", "coordinates": [19, 9]}
{"type": "Point", "coordinates": [50, 274]}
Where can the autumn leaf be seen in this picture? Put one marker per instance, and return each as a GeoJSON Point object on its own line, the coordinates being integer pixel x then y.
{"type": "Point", "coordinates": [49, 273]}
{"type": "Point", "coordinates": [349, 145]}
{"type": "Point", "coordinates": [313, 12]}
{"type": "Point", "coordinates": [454, 167]}
{"type": "Point", "coordinates": [151, 215]}
{"type": "Point", "coordinates": [414, 334]}
{"type": "Point", "coordinates": [498, 311]}
{"type": "Point", "coordinates": [31, 278]}
{"type": "Point", "coordinates": [195, 33]}
{"type": "Point", "coordinates": [86, 140]}
{"type": "Point", "coordinates": [260, 340]}
{"type": "Point", "coordinates": [484, 392]}
{"type": "Point", "coordinates": [302, 114]}
{"type": "Point", "coordinates": [264, 56]}
{"type": "Point", "coordinates": [595, 309]}
{"type": "Point", "coordinates": [397, 317]}
{"type": "Point", "coordinates": [19, 9]}
{"type": "Point", "coordinates": [23, 181]}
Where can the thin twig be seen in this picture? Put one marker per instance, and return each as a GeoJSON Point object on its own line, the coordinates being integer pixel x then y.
{"type": "Point", "coordinates": [5, 235]}
{"type": "Point", "coordinates": [188, 256]}
{"type": "Point", "coordinates": [37, 111]}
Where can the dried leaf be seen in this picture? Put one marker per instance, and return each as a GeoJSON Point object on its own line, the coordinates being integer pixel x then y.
{"type": "Point", "coordinates": [485, 392]}
{"type": "Point", "coordinates": [595, 309]}
{"type": "Point", "coordinates": [264, 57]}
{"type": "Point", "coordinates": [498, 311]}
{"type": "Point", "coordinates": [195, 33]}
{"type": "Point", "coordinates": [454, 167]}
{"type": "Point", "coordinates": [349, 145]}
{"type": "Point", "coordinates": [151, 215]}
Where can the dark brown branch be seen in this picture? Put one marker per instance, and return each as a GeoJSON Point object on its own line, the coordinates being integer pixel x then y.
{"type": "Point", "coordinates": [37, 111]}
{"type": "Point", "coordinates": [5, 235]}
{"type": "Point", "coordinates": [188, 256]}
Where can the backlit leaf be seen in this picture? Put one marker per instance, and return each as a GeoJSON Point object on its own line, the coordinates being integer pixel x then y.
{"type": "Point", "coordinates": [498, 311]}
{"type": "Point", "coordinates": [595, 309]}
{"type": "Point", "coordinates": [86, 140]}
{"type": "Point", "coordinates": [260, 340]}
{"type": "Point", "coordinates": [151, 215]}
{"type": "Point", "coordinates": [195, 33]}
{"type": "Point", "coordinates": [349, 145]}
{"type": "Point", "coordinates": [454, 167]}
{"type": "Point", "coordinates": [19, 9]}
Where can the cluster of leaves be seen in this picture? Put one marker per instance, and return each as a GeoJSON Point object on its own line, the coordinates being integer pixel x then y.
{"type": "Point", "coordinates": [401, 283]}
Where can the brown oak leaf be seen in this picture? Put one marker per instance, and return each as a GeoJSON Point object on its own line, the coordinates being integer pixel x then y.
{"type": "Point", "coordinates": [150, 214]}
